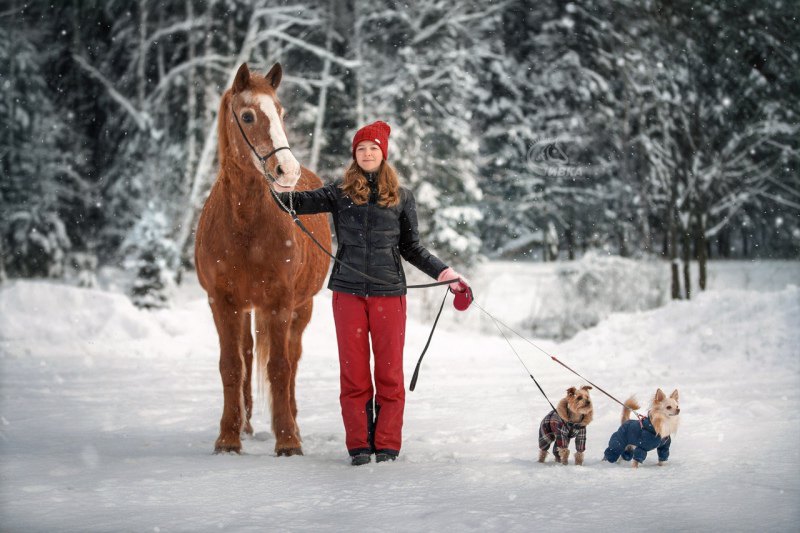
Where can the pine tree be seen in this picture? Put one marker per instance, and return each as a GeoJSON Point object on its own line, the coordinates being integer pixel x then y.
{"type": "Point", "coordinates": [41, 170]}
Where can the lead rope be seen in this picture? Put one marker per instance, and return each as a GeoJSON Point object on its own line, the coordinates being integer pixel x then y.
{"type": "Point", "coordinates": [305, 230]}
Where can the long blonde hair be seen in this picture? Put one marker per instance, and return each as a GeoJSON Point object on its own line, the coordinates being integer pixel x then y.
{"type": "Point", "coordinates": [356, 187]}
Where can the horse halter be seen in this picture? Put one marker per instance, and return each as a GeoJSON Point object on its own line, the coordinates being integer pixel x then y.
{"type": "Point", "coordinates": [264, 158]}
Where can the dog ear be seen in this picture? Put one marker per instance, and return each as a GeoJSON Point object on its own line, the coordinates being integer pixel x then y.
{"type": "Point", "coordinates": [660, 396]}
{"type": "Point", "coordinates": [586, 387]}
{"type": "Point", "coordinates": [571, 391]}
{"type": "Point", "coordinates": [674, 395]}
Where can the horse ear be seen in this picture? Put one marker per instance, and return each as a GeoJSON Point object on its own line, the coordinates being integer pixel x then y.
{"type": "Point", "coordinates": [274, 75]}
{"type": "Point", "coordinates": [242, 79]}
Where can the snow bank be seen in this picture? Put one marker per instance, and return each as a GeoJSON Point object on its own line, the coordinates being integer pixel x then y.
{"type": "Point", "coordinates": [556, 300]}
{"type": "Point", "coordinates": [60, 314]}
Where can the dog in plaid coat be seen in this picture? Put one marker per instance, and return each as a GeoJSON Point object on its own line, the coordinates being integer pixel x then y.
{"type": "Point", "coordinates": [568, 421]}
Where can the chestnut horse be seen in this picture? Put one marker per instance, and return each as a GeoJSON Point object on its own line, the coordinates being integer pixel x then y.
{"type": "Point", "coordinates": [252, 259]}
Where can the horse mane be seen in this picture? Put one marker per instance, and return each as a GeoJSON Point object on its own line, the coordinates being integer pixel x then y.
{"type": "Point", "coordinates": [224, 142]}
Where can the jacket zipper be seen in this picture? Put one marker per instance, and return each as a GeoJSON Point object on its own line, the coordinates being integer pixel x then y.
{"type": "Point", "coordinates": [396, 256]}
{"type": "Point", "coordinates": [340, 253]}
{"type": "Point", "coordinates": [366, 248]}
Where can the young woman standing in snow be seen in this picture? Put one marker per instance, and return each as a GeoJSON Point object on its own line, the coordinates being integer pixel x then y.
{"type": "Point", "coordinates": [375, 220]}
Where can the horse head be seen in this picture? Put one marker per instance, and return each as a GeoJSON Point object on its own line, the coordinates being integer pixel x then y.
{"type": "Point", "coordinates": [252, 132]}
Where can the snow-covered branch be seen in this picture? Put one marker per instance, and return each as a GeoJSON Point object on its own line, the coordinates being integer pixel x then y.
{"type": "Point", "coordinates": [141, 118]}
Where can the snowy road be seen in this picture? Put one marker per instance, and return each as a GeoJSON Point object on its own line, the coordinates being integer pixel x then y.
{"type": "Point", "coordinates": [109, 416]}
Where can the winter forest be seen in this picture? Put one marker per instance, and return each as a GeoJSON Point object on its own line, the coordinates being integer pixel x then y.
{"type": "Point", "coordinates": [619, 181]}
{"type": "Point", "coordinates": [528, 130]}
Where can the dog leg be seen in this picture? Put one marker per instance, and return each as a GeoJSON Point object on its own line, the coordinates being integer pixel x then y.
{"type": "Point", "coordinates": [662, 463]}
{"type": "Point", "coordinates": [579, 458]}
{"type": "Point", "coordinates": [635, 463]}
{"type": "Point", "coordinates": [563, 454]}
{"type": "Point", "coordinates": [542, 455]}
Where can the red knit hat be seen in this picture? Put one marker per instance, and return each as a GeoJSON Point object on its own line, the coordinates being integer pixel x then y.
{"type": "Point", "coordinates": [377, 132]}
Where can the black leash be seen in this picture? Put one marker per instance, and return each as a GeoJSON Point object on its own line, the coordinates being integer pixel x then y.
{"type": "Point", "coordinates": [530, 374]}
{"type": "Point", "coordinates": [554, 358]}
{"type": "Point", "coordinates": [413, 384]}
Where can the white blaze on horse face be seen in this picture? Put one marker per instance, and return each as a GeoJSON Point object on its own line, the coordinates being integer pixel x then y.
{"type": "Point", "coordinates": [287, 161]}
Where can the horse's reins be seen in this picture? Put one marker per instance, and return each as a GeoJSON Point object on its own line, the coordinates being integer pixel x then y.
{"type": "Point", "coordinates": [290, 210]}
{"type": "Point", "coordinates": [262, 158]}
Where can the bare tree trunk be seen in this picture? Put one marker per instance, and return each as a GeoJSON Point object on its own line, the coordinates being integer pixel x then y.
{"type": "Point", "coordinates": [547, 252]}
{"type": "Point", "coordinates": [141, 81]}
{"type": "Point", "coordinates": [160, 60]}
{"type": "Point", "coordinates": [622, 237]}
{"type": "Point", "coordinates": [724, 243]}
{"type": "Point", "coordinates": [745, 243]}
{"type": "Point", "coordinates": [687, 259]}
{"type": "Point", "coordinates": [569, 236]}
{"type": "Point", "coordinates": [702, 249]}
{"type": "Point", "coordinates": [191, 103]}
{"type": "Point", "coordinates": [3, 276]}
{"type": "Point", "coordinates": [316, 144]}
{"type": "Point", "coordinates": [673, 245]}
{"type": "Point", "coordinates": [357, 32]}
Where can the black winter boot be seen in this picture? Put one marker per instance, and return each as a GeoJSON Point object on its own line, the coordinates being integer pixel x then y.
{"type": "Point", "coordinates": [360, 459]}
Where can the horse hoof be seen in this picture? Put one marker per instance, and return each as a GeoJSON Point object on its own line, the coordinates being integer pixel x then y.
{"type": "Point", "coordinates": [288, 452]}
{"type": "Point", "coordinates": [248, 429]}
{"type": "Point", "coordinates": [227, 450]}
{"type": "Point", "coordinates": [227, 447]}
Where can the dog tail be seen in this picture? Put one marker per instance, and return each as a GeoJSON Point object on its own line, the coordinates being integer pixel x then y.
{"type": "Point", "coordinates": [630, 405]}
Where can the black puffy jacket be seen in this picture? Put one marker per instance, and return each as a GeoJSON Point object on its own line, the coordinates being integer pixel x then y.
{"type": "Point", "coordinates": [371, 238]}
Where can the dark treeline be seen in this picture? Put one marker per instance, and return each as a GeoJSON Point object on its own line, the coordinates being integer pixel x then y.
{"type": "Point", "coordinates": [539, 130]}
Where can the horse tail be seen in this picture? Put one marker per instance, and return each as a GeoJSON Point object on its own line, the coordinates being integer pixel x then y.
{"type": "Point", "coordinates": [261, 358]}
{"type": "Point", "coordinates": [630, 405]}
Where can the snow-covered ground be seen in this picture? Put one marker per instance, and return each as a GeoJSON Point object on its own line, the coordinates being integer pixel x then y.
{"type": "Point", "coordinates": [108, 417]}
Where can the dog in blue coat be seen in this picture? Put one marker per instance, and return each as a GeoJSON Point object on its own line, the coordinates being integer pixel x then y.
{"type": "Point", "coordinates": [635, 438]}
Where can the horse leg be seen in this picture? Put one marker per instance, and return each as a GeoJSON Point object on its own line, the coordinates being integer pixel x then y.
{"type": "Point", "coordinates": [299, 323]}
{"type": "Point", "coordinates": [279, 372]}
{"type": "Point", "coordinates": [229, 320]}
{"type": "Point", "coordinates": [247, 353]}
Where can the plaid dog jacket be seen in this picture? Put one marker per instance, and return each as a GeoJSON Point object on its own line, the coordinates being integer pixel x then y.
{"type": "Point", "coordinates": [554, 428]}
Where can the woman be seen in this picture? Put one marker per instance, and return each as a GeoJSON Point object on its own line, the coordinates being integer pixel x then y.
{"type": "Point", "coordinates": [375, 220]}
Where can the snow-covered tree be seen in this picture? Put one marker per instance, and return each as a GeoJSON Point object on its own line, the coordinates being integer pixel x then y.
{"type": "Point", "coordinates": [151, 253]}
{"type": "Point", "coordinates": [41, 182]}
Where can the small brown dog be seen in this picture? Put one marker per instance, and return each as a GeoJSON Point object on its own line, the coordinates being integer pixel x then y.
{"type": "Point", "coordinates": [569, 420]}
{"type": "Point", "coordinates": [635, 438]}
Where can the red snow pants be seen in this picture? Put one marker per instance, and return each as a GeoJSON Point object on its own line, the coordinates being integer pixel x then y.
{"type": "Point", "coordinates": [381, 319]}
